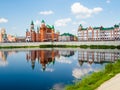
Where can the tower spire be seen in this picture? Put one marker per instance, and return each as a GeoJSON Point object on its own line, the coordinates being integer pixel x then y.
{"type": "Point", "coordinates": [32, 23]}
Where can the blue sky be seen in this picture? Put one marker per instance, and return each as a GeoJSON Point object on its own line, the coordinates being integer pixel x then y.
{"type": "Point", "coordinates": [66, 15]}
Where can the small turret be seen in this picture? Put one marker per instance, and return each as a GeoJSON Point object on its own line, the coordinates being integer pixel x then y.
{"type": "Point", "coordinates": [80, 27]}
{"type": "Point", "coordinates": [32, 22]}
{"type": "Point", "coordinates": [42, 23]}
{"type": "Point", "coordinates": [32, 26]}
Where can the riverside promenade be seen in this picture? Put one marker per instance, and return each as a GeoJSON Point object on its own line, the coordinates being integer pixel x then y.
{"type": "Point", "coordinates": [115, 43]}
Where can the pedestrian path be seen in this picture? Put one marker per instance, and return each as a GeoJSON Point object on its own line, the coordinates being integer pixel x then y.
{"type": "Point", "coordinates": [112, 84]}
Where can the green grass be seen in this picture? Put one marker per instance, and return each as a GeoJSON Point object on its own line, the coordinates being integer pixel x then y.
{"type": "Point", "coordinates": [94, 80]}
{"type": "Point", "coordinates": [81, 46]}
{"type": "Point", "coordinates": [66, 46]}
{"type": "Point", "coordinates": [58, 46]}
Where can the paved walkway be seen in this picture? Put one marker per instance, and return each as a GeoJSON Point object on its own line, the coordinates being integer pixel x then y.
{"type": "Point", "coordinates": [112, 84]}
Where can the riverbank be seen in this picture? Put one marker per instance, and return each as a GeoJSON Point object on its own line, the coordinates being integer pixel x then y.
{"type": "Point", "coordinates": [91, 45]}
{"type": "Point", "coordinates": [114, 43]}
{"type": "Point", "coordinates": [93, 81]}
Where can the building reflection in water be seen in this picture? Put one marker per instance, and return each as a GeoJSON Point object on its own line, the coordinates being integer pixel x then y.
{"type": "Point", "coordinates": [97, 57]}
{"type": "Point", "coordinates": [3, 57]}
{"type": "Point", "coordinates": [92, 61]}
{"type": "Point", "coordinates": [45, 57]}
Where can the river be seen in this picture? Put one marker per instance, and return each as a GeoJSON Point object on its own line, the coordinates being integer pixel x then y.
{"type": "Point", "coordinates": [50, 69]}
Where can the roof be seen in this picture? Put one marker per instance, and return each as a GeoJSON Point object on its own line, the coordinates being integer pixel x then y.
{"type": "Point", "coordinates": [84, 29]}
{"type": "Point", "coordinates": [66, 34]}
{"type": "Point", "coordinates": [48, 26]}
{"type": "Point", "coordinates": [109, 28]}
{"type": "Point", "coordinates": [53, 27]}
{"type": "Point", "coordinates": [103, 28]}
{"type": "Point", "coordinates": [96, 27]}
{"type": "Point", "coordinates": [116, 25]}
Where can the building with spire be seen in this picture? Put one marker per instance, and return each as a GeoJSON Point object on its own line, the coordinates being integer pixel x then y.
{"type": "Point", "coordinates": [43, 33]}
{"type": "Point", "coordinates": [99, 33]}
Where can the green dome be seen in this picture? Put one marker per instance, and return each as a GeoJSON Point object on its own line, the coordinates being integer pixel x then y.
{"type": "Point", "coordinates": [42, 21]}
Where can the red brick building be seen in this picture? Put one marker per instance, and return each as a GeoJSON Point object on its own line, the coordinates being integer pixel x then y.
{"type": "Point", "coordinates": [44, 33]}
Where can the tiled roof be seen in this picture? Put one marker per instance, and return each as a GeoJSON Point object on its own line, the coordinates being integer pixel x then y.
{"type": "Point", "coordinates": [48, 26]}
{"type": "Point", "coordinates": [109, 28]}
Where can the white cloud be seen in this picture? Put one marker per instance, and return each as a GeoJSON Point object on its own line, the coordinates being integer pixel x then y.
{"type": "Point", "coordinates": [3, 63]}
{"type": "Point", "coordinates": [62, 22]}
{"type": "Point", "coordinates": [3, 20]}
{"type": "Point", "coordinates": [48, 70]}
{"type": "Point", "coordinates": [86, 68]}
{"type": "Point", "coordinates": [107, 1]}
{"type": "Point", "coordinates": [46, 12]}
{"type": "Point", "coordinates": [63, 60]}
{"type": "Point", "coordinates": [84, 12]}
{"type": "Point", "coordinates": [37, 23]}
{"type": "Point", "coordinates": [58, 86]}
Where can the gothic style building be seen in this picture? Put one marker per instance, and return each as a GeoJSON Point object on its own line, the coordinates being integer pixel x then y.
{"type": "Point", "coordinates": [99, 33]}
{"type": "Point", "coordinates": [44, 33]}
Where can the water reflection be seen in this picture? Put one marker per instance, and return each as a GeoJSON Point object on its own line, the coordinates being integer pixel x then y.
{"type": "Point", "coordinates": [45, 57]}
{"type": "Point", "coordinates": [90, 60]}
{"type": "Point", "coordinates": [64, 66]}
{"type": "Point", "coordinates": [97, 56]}
{"type": "Point", "coordinates": [3, 57]}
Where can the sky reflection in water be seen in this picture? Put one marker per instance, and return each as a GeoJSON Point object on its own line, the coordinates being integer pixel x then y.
{"type": "Point", "coordinates": [46, 69]}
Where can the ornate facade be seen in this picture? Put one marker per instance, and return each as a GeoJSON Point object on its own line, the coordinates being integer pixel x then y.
{"type": "Point", "coordinates": [99, 33]}
{"type": "Point", "coordinates": [44, 33]}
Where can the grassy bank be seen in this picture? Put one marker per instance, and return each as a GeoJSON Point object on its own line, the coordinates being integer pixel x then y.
{"type": "Point", "coordinates": [66, 46]}
{"type": "Point", "coordinates": [94, 80]}
{"type": "Point", "coordinates": [82, 46]}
